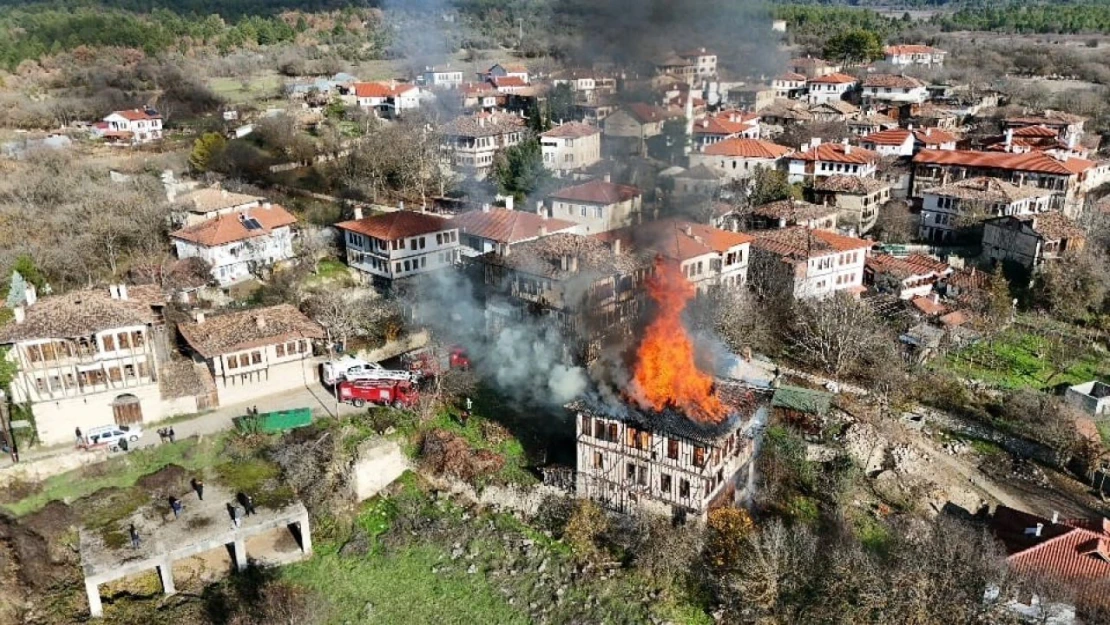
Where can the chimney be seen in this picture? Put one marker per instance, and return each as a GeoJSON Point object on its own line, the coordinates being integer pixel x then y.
{"type": "Point", "coordinates": [616, 247]}
{"type": "Point", "coordinates": [814, 142]}
{"type": "Point", "coordinates": [543, 230]}
{"type": "Point", "coordinates": [935, 297]}
{"type": "Point", "coordinates": [122, 290]}
{"type": "Point", "coordinates": [358, 213]}
{"type": "Point", "coordinates": [607, 177]}
{"type": "Point", "coordinates": [564, 262]}
{"type": "Point", "coordinates": [804, 148]}
{"type": "Point", "coordinates": [574, 264]}
{"type": "Point", "coordinates": [30, 296]}
{"type": "Point", "coordinates": [1009, 137]}
{"type": "Point", "coordinates": [223, 193]}
{"type": "Point", "coordinates": [481, 121]}
{"type": "Point", "coordinates": [1055, 517]}
{"type": "Point", "coordinates": [847, 147]}
{"type": "Point", "coordinates": [1106, 526]}
{"type": "Point", "coordinates": [267, 205]}
{"type": "Point", "coordinates": [401, 205]}
{"type": "Point", "coordinates": [260, 321]}
{"type": "Point", "coordinates": [113, 292]}
{"type": "Point", "coordinates": [20, 314]}
{"type": "Point", "coordinates": [689, 230]}
{"type": "Point", "coordinates": [909, 127]}
{"type": "Point", "coordinates": [485, 208]}
{"type": "Point", "coordinates": [539, 208]}
{"type": "Point", "coordinates": [198, 316]}
{"type": "Point", "coordinates": [928, 132]}
{"type": "Point", "coordinates": [1040, 528]}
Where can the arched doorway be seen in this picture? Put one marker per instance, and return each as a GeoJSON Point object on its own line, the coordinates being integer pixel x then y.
{"type": "Point", "coordinates": [127, 410]}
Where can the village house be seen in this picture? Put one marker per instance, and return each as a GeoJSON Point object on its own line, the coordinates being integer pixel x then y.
{"type": "Point", "coordinates": [808, 263]}
{"type": "Point", "coordinates": [210, 202]}
{"type": "Point", "coordinates": [238, 245]}
{"type": "Point", "coordinates": [90, 358]}
{"type": "Point", "coordinates": [572, 145]}
{"type": "Point", "coordinates": [857, 200]}
{"type": "Point", "coordinates": [132, 127]}
{"type": "Point", "coordinates": [789, 85]}
{"type": "Point", "coordinates": [481, 96]}
{"type": "Point", "coordinates": [739, 159]}
{"type": "Point", "coordinates": [1031, 240]}
{"type": "Point", "coordinates": [909, 277]}
{"type": "Point", "coordinates": [699, 180]}
{"type": "Point", "coordinates": [1069, 127]}
{"type": "Point", "coordinates": [442, 76]}
{"type": "Point", "coordinates": [629, 127]}
{"type": "Point", "coordinates": [813, 68]}
{"type": "Point", "coordinates": [750, 97]}
{"type": "Point", "coordinates": [321, 88]}
{"type": "Point", "coordinates": [789, 213]}
{"type": "Point", "coordinates": [591, 291]}
{"type": "Point", "coordinates": [473, 140]}
{"type": "Point", "coordinates": [587, 85]}
{"type": "Point", "coordinates": [692, 66]}
{"type": "Point", "coordinates": [494, 229]}
{"type": "Point", "coordinates": [829, 87]}
{"type": "Point", "coordinates": [833, 111]}
{"type": "Point", "coordinates": [1068, 180]}
{"type": "Point", "coordinates": [709, 257]}
{"type": "Point", "coordinates": [718, 127]}
{"type": "Point", "coordinates": [821, 160]}
{"type": "Point", "coordinates": [597, 205]}
{"type": "Point", "coordinates": [497, 70]}
{"type": "Point", "coordinates": [784, 113]}
{"type": "Point", "coordinates": [1074, 552]}
{"type": "Point", "coordinates": [387, 99]}
{"type": "Point", "coordinates": [509, 85]}
{"type": "Point", "coordinates": [893, 89]}
{"type": "Point", "coordinates": [947, 209]}
{"type": "Point", "coordinates": [251, 354]}
{"type": "Point", "coordinates": [912, 54]}
{"type": "Point", "coordinates": [908, 141]}
{"type": "Point", "coordinates": [871, 123]}
{"type": "Point", "coordinates": [633, 460]}
{"type": "Point", "coordinates": [393, 246]}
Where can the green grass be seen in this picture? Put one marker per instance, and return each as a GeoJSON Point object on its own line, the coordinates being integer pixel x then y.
{"type": "Point", "coordinates": [1104, 430]}
{"type": "Point", "coordinates": [241, 91]}
{"type": "Point", "coordinates": [1017, 359]}
{"type": "Point", "coordinates": [256, 477]}
{"type": "Point", "coordinates": [119, 472]}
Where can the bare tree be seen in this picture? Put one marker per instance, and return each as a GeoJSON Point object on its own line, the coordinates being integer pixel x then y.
{"type": "Point", "coordinates": [834, 333]}
{"type": "Point", "coordinates": [339, 316]}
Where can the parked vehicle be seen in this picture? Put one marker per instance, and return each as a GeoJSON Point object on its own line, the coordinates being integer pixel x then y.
{"type": "Point", "coordinates": [398, 394]}
{"type": "Point", "coordinates": [431, 361]}
{"type": "Point", "coordinates": [112, 436]}
{"type": "Point", "coordinates": [351, 368]}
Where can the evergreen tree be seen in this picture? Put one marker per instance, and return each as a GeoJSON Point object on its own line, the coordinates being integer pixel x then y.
{"type": "Point", "coordinates": [17, 291]}
{"type": "Point", "coordinates": [519, 170]}
{"type": "Point", "coordinates": [205, 149]}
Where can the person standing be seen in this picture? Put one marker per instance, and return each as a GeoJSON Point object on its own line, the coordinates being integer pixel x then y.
{"type": "Point", "coordinates": [198, 486]}
{"type": "Point", "coordinates": [233, 512]}
{"type": "Point", "coordinates": [77, 433]}
{"type": "Point", "coordinates": [134, 533]}
{"type": "Point", "coordinates": [172, 435]}
{"type": "Point", "coordinates": [175, 505]}
{"type": "Point", "coordinates": [248, 504]}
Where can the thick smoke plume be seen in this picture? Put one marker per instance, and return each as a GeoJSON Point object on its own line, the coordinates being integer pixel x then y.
{"type": "Point", "coordinates": [523, 356]}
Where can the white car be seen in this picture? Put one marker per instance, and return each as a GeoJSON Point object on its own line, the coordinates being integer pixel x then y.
{"type": "Point", "coordinates": [111, 435]}
{"type": "Point", "coordinates": [352, 369]}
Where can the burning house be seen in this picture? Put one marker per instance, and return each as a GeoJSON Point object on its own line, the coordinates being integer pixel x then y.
{"type": "Point", "coordinates": [665, 436]}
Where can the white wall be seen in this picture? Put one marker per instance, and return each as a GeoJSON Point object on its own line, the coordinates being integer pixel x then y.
{"type": "Point", "coordinates": [231, 262]}
{"type": "Point", "coordinates": [822, 274]}
{"type": "Point", "coordinates": [367, 255]}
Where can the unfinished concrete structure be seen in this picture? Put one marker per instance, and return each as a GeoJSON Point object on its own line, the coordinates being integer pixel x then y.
{"type": "Point", "coordinates": [666, 462]}
{"type": "Point", "coordinates": [178, 540]}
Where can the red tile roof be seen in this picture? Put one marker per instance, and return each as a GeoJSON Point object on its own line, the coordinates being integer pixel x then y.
{"type": "Point", "coordinates": [933, 136]}
{"type": "Point", "coordinates": [135, 115]}
{"type": "Point", "coordinates": [248, 329]}
{"type": "Point", "coordinates": [381, 89]}
{"type": "Point", "coordinates": [508, 81]}
{"type": "Point", "coordinates": [724, 124]}
{"type": "Point", "coordinates": [596, 192]}
{"type": "Point", "coordinates": [572, 130]}
{"type": "Point", "coordinates": [894, 136]}
{"type": "Point", "coordinates": [646, 113]}
{"type": "Point", "coordinates": [928, 306]}
{"type": "Point", "coordinates": [397, 225]}
{"type": "Point", "coordinates": [508, 226]}
{"type": "Point", "coordinates": [902, 268]}
{"type": "Point", "coordinates": [1038, 130]}
{"type": "Point", "coordinates": [228, 228]}
{"type": "Point", "coordinates": [835, 79]}
{"type": "Point", "coordinates": [800, 244]}
{"type": "Point", "coordinates": [1038, 162]}
{"type": "Point", "coordinates": [747, 148]}
{"type": "Point", "coordinates": [855, 185]}
{"type": "Point", "coordinates": [839, 153]}
{"type": "Point", "coordinates": [791, 77]}
{"type": "Point", "coordinates": [676, 239]}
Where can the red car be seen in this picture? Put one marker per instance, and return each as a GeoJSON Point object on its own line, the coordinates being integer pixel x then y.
{"type": "Point", "coordinates": [399, 394]}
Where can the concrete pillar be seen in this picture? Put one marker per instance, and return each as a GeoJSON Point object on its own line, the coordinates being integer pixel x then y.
{"type": "Point", "coordinates": [240, 554]}
{"type": "Point", "coordinates": [165, 571]}
{"type": "Point", "coordinates": [306, 536]}
{"type": "Point", "coordinates": [92, 589]}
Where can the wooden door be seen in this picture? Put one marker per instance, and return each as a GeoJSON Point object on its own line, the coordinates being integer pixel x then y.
{"type": "Point", "coordinates": [127, 410]}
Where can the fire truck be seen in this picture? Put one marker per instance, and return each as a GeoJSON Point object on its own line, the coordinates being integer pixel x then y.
{"type": "Point", "coordinates": [396, 393]}
{"type": "Point", "coordinates": [430, 362]}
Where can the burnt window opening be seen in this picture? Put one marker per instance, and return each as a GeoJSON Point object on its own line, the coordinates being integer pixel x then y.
{"type": "Point", "coordinates": [683, 488]}
{"type": "Point", "coordinates": [665, 484]}
{"type": "Point", "coordinates": [672, 449]}
{"type": "Point", "coordinates": [699, 456]}
{"type": "Point", "coordinates": [630, 472]}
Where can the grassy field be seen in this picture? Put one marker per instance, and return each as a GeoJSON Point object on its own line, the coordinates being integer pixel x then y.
{"type": "Point", "coordinates": [258, 88]}
{"type": "Point", "coordinates": [1018, 358]}
{"type": "Point", "coordinates": [122, 472]}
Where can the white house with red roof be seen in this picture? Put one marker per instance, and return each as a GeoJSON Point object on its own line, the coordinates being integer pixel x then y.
{"type": "Point", "coordinates": [894, 89]}
{"type": "Point", "coordinates": [808, 263]}
{"type": "Point", "coordinates": [913, 54]}
{"type": "Point", "coordinates": [510, 70]}
{"type": "Point", "coordinates": [730, 124]}
{"type": "Point", "coordinates": [400, 244]}
{"type": "Point", "coordinates": [240, 243]}
{"type": "Point", "coordinates": [573, 145]}
{"type": "Point", "coordinates": [908, 278]}
{"type": "Point", "coordinates": [708, 257]}
{"type": "Point", "coordinates": [597, 205]}
{"type": "Point", "coordinates": [820, 160]}
{"type": "Point", "coordinates": [494, 229]}
{"type": "Point", "coordinates": [739, 158]}
{"type": "Point", "coordinates": [947, 208]}
{"type": "Point", "coordinates": [830, 87]}
{"type": "Point", "coordinates": [788, 85]}
{"type": "Point", "coordinates": [893, 142]}
{"type": "Point", "coordinates": [508, 84]}
{"type": "Point", "coordinates": [388, 99]}
{"type": "Point", "coordinates": [134, 126]}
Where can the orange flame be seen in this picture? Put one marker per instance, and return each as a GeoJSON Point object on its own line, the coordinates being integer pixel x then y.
{"type": "Point", "coordinates": [666, 374]}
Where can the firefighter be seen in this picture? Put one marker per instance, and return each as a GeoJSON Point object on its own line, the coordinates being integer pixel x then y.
{"type": "Point", "coordinates": [465, 416]}
{"type": "Point", "coordinates": [134, 533]}
{"type": "Point", "coordinates": [198, 486]}
{"type": "Point", "coordinates": [175, 505]}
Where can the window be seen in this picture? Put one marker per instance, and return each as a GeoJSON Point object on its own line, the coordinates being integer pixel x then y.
{"type": "Point", "coordinates": [129, 371]}
{"type": "Point", "coordinates": [407, 266]}
{"type": "Point", "coordinates": [699, 456]}
{"type": "Point", "coordinates": [630, 471]}
{"type": "Point", "coordinates": [599, 460]}
{"type": "Point", "coordinates": [136, 339]}
{"type": "Point", "coordinates": [423, 261]}
{"type": "Point", "coordinates": [124, 341]}
{"type": "Point", "coordinates": [599, 430]}
{"type": "Point", "coordinates": [256, 358]}
{"type": "Point", "coordinates": [114, 374]}
{"type": "Point", "coordinates": [587, 425]}
{"type": "Point", "coordinates": [232, 362]}
{"type": "Point", "coordinates": [612, 433]}
{"type": "Point", "coordinates": [280, 350]}
{"type": "Point", "coordinates": [672, 449]}
{"type": "Point", "coordinates": [396, 267]}
{"type": "Point", "coordinates": [109, 343]}
{"type": "Point", "coordinates": [582, 211]}
{"type": "Point", "coordinates": [665, 484]}
{"type": "Point", "coordinates": [302, 347]}
{"type": "Point", "coordinates": [683, 488]}
{"type": "Point", "coordinates": [439, 238]}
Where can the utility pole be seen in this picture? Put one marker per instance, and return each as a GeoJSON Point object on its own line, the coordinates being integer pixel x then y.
{"type": "Point", "coordinates": [519, 33]}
